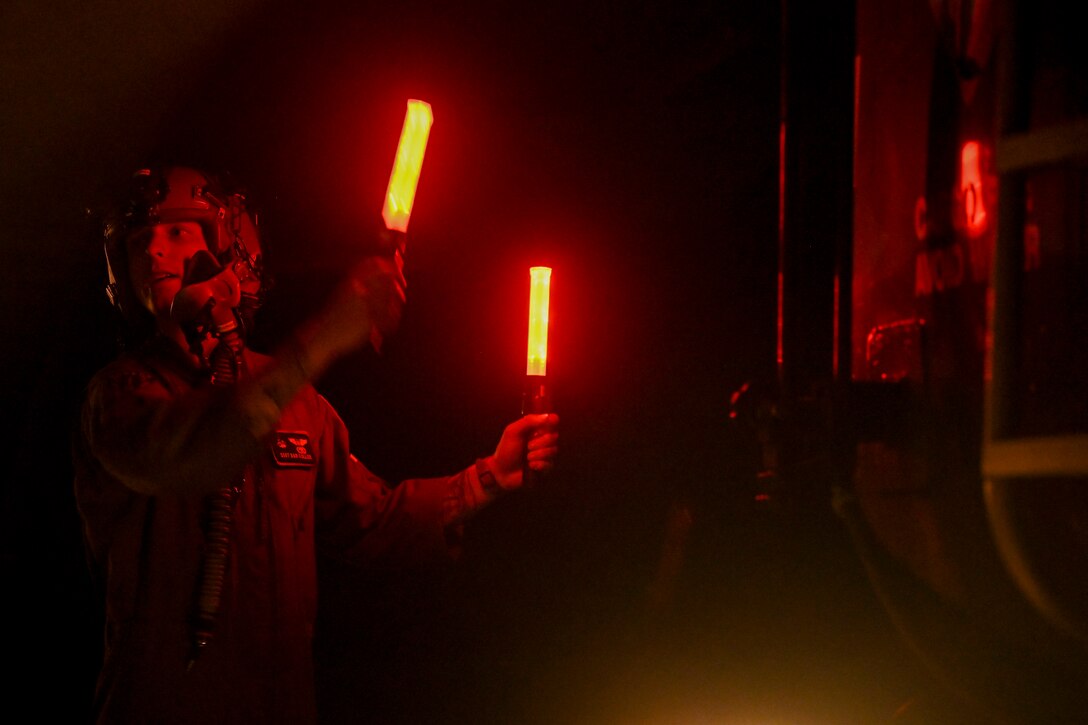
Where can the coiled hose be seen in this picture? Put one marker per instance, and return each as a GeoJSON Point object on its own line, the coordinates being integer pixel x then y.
{"type": "Point", "coordinates": [227, 363]}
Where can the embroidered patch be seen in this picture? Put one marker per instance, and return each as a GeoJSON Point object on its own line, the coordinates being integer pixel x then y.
{"type": "Point", "coordinates": [292, 449]}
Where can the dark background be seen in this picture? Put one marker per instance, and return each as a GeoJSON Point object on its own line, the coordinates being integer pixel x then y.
{"type": "Point", "coordinates": [630, 146]}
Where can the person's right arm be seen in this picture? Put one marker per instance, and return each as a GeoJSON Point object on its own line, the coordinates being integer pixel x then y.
{"type": "Point", "coordinates": [161, 436]}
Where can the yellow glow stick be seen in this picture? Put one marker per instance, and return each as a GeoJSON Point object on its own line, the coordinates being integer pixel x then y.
{"type": "Point", "coordinates": [539, 293]}
{"type": "Point", "coordinates": [406, 166]}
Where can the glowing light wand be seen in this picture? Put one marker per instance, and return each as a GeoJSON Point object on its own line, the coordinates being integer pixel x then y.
{"type": "Point", "coordinates": [537, 397]}
{"type": "Point", "coordinates": [400, 194]}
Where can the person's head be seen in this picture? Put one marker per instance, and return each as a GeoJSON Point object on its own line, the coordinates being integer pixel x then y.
{"type": "Point", "coordinates": [169, 215]}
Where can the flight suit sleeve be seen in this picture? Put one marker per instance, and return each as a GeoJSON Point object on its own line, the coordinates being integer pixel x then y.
{"type": "Point", "coordinates": [159, 435]}
{"type": "Point", "coordinates": [366, 520]}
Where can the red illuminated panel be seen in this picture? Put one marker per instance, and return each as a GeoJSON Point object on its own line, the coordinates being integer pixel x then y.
{"type": "Point", "coordinates": [974, 207]}
{"type": "Point", "coordinates": [540, 279]}
{"type": "Point", "coordinates": [405, 175]}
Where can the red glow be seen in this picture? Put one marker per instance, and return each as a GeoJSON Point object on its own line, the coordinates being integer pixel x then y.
{"type": "Point", "coordinates": [781, 237]}
{"type": "Point", "coordinates": [835, 330]}
{"type": "Point", "coordinates": [780, 324]}
{"type": "Point", "coordinates": [539, 294]}
{"type": "Point", "coordinates": [404, 178]}
{"type": "Point", "coordinates": [974, 206]}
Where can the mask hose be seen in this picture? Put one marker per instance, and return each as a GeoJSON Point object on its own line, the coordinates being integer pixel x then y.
{"type": "Point", "coordinates": [205, 304]}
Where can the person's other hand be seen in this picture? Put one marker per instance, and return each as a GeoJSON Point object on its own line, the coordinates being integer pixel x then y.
{"type": "Point", "coordinates": [368, 303]}
{"type": "Point", "coordinates": [532, 440]}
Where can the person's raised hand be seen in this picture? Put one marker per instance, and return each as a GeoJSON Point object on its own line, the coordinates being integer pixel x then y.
{"type": "Point", "coordinates": [367, 305]}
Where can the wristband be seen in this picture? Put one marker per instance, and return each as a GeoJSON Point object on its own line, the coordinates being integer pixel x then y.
{"type": "Point", "coordinates": [487, 478]}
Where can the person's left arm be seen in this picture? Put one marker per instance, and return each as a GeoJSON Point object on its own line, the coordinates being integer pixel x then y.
{"type": "Point", "coordinates": [366, 520]}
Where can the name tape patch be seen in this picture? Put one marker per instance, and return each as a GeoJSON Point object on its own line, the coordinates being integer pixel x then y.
{"type": "Point", "coordinates": [293, 449]}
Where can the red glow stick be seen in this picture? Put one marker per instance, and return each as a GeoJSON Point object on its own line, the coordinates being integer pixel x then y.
{"type": "Point", "coordinates": [401, 192]}
{"type": "Point", "coordinates": [537, 397]}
